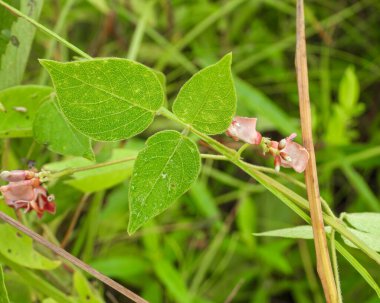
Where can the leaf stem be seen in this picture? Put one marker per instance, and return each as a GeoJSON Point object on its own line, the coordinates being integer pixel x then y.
{"type": "Point", "coordinates": [45, 30]}
{"type": "Point", "coordinates": [275, 187]}
{"type": "Point", "coordinates": [242, 149]}
{"type": "Point", "coordinates": [70, 171]}
{"type": "Point", "coordinates": [335, 265]}
{"type": "Point", "coordinates": [73, 170]}
{"type": "Point", "coordinates": [64, 12]}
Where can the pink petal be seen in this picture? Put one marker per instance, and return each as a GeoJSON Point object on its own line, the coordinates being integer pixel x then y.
{"type": "Point", "coordinates": [244, 129]}
{"type": "Point", "coordinates": [15, 192]}
{"type": "Point", "coordinates": [17, 175]}
{"type": "Point", "coordinates": [24, 191]}
{"type": "Point", "coordinates": [298, 154]}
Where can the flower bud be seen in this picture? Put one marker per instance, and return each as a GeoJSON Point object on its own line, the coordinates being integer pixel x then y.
{"type": "Point", "coordinates": [277, 163]}
{"type": "Point", "coordinates": [282, 144]}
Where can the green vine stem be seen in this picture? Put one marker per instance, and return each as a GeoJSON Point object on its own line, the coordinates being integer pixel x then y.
{"type": "Point", "coordinates": [64, 12]}
{"type": "Point", "coordinates": [335, 265]}
{"type": "Point", "coordinates": [274, 186]}
{"type": "Point", "coordinates": [73, 170]}
{"type": "Point", "coordinates": [45, 30]}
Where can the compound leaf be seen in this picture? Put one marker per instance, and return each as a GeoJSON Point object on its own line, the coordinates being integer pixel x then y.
{"type": "Point", "coordinates": [106, 99]}
{"type": "Point", "coordinates": [51, 128]}
{"type": "Point", "coordinates": [208, 100]}
{"type": "Point", "coordinates": [164, 170]}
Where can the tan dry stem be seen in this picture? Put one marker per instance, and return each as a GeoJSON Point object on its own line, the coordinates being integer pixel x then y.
{"type": "Point", "coordinates": [324, 267]}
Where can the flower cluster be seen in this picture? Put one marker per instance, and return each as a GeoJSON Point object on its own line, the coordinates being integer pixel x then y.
{"type": "Point", "coordinates": [25, 191]}
{"type": "Point", "coordinates": [286, 152]}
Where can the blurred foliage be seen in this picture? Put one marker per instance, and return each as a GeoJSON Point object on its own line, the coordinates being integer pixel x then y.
{"type": "Point", "coordinates": [202, 249]}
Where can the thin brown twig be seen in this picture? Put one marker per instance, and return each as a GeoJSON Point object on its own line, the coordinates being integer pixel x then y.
{"type": "Point", "coordinates": [74, 260]}
{"type": "Point", "coordinates": [324, 267]}
{"type": "Point", "coordinates": [74, 221]}
{"type": "Point", "coordinates": [234, 291]}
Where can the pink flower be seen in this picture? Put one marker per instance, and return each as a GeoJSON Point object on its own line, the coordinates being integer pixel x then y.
{"type": "Point", "coordinates": [17, 175]}
{"type": "Point", "coordinates": [244, 129]}
{"type": "Point", "coordinates": [286, 153]}
{"type": "Point", "coordinates": [26, 192]}
{"type": "Point", "coordinates": [290, 154]}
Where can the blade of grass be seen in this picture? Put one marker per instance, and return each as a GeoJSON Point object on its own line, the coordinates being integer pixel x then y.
{"type": "Point", "coordinates": [288, 42]}
{"type": "Point", "coordinates": [309, 270]}
{"type": "Point", "coordinates": [210, 254]}
{"type": "Point", "coordinates": [33, 280]}
{"type": "Point", "coordinates": [139, 32]}
{"type": "Point", "coordinates": [200, 28]}
{"type": "Point", "coordinates": [53, 43]}
{"type": "Point", "coordinates": [45, 30]}
{"type": "Point", "coordinates": [361, 187]}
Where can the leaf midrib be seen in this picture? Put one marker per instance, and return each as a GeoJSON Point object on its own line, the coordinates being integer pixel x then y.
{"type": "Point", "coordinates": [100, 89]}
{"type": "Point", "coordinates": [169, 158]}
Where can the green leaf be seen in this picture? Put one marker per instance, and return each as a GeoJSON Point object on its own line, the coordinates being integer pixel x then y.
{"type": "Point", "coordinates": [359, 184]}
{"type": "Point", "coordinates": [6, 21]}
{"type": "Point", "coordinates": [298, 232]}
{"type": "Point", "coordinates": [273, 254]}
{"type": "Point", "coordinates": [3, 291]}
{"type": "Point", "coordinates": [204, 201]}
{"type": "Point", "coordinates": [164, 170]}
{"type": "Point", "coordinates": [208, 100]}
{"type": "Point", "coordinates": [15, 123]}
{"type": "Point", "coordinates": [372, 240]}
{"type": "Point", "coordinates": [106, 99]}
{"type": "Point", "coordinates": [367, 222]}
{"type": "Point", "coordinates": [85, 292]}
{"type": "Point", "coordinates": [101, 5]}
{"type": "Point", "coordinates": [246, 220]}
{"type": "Point", "coordinates": [100, 178]}
{"type": "Point", "coordinates": [306, 232]}
{"type": "Point", "coordinates": [19, 248]}
{"type": "Point", "coordinates": [18, 290]}
{"type": "Point", "coordinates": [349, 89]}
{"type": "Point", "coordinates": [124, 267]}
{"type": "Point", "coordinates": [51, 128]}
{"type": "Point", "coordinates": [16, 39]}
{"type": "Point", "coordinates": [173, 281]}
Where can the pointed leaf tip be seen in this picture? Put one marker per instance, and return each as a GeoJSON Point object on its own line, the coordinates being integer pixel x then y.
{"type": "Point", "coordinates": [164, 170]}
{"type": "Point", "coordinates": [207, 101]}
